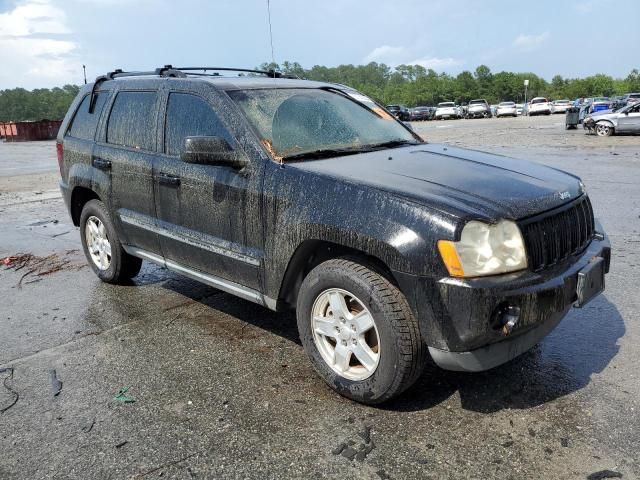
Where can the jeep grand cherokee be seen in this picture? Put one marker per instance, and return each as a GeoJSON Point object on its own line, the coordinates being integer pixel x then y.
{"type": "Point", "coordinates": [311, 196]}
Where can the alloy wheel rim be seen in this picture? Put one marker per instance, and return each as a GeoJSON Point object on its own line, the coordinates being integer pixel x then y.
{"type": "Point", "coordinates": [602, 130]}
{"type": "Point", "coordinates": [345, 334]}
{"type": "Point", "coordinates": [98, 243]}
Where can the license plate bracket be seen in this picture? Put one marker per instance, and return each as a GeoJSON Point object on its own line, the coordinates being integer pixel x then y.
{"type": "Point", "coordinates": [590, 281]}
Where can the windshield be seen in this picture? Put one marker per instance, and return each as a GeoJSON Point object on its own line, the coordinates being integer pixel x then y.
{"type": "Point", "coordinates": [507, 104]}
{"type": "Point", "coordinates": [477, 102]}
{"type": "Point", "coordinates": [446, 104]}
{"type": "Point", "coordinates": [539, 100]}
{"type": "Point", "coordinates": [300, 121]}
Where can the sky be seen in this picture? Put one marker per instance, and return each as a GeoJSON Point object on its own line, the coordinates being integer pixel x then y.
{"type": "Point", "coordinates": [44, 43]}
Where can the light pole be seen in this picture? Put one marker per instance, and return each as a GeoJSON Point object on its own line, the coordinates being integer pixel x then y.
{"type": "Point", "coordinates": [526, 84]}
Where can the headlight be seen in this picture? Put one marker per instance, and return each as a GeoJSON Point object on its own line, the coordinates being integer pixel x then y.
{"type": "Point", "coordinates": [484, 249]}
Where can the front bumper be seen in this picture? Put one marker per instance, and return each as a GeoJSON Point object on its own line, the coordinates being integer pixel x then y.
{"type": "Point", "coordinates": [457, 316]}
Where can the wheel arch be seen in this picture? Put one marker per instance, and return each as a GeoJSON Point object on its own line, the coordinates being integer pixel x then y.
{"type": "Point", "coordinates": [311, 253]}
{"type": "Point", "coordinates": [79, 198]}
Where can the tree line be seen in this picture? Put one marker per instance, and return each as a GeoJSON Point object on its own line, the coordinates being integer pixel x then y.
{"type": "Point", "coordinates": [20, 105]}
{"type": "Point", "coordinates": [410, 85]}
{"type": "Point", "coordinates": [414, 85]}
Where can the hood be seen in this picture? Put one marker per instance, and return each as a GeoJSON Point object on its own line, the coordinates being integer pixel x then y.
{"type": "Point", "coordinates": [454, 180]}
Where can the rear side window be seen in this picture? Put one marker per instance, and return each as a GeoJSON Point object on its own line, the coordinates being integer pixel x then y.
{"type": "Point", "coordinates": [132, 120]}
{"type": "Point", "coordinates": [84, 123]}
{"type": "Point", "coordinates": [189, 116]}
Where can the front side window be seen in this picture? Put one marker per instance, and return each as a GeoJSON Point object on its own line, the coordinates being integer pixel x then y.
{"type": "Point", "coordinates": [84, 123]}
{"type": "Point", "coordinates": [132, 122]}
{"type": "Point", "coordinates": [189, 116]}
{"type": "Point", "coordinates": [294, 123]}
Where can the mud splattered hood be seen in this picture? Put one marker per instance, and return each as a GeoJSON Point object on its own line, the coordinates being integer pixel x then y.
{"type": "Point", "coordinates": [458, 181]}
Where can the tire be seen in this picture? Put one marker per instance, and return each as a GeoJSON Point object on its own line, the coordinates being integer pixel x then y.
{"type": "Point", "coordinates": [396, 353]}
{"type": "Point", "coordinates": [604, 130]}
{"type": "Point", "coordinates": [110, 263]}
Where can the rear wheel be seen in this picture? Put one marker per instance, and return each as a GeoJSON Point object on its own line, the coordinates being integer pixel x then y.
{"type": "Point", "coordinates": [102, 246]}
{"type": "Point", "coordinates": [359, 331]}
{"type": "Point", "coordinates": [604, 130]}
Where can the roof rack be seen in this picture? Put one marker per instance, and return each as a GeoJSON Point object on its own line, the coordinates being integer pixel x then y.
{"type": "Point", "coordinates": [179, 72]}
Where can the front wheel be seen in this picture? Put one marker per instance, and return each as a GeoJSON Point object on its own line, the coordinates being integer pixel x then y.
{"type": "Point", "coordinates": [102, 246]}
{"type": "Point", "coordinates": [603, 130]}
{"type": "Point", "coordinates": [359, 332]}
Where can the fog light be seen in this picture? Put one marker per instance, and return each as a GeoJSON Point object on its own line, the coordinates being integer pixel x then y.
{"type": "Point", "coordinates": [505, 318]}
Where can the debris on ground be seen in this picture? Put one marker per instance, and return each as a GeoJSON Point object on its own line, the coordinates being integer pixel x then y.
{"type": "Point", "coordinates": [16, 396]}
{"type": "Point", "coordinates": [166, 465]}
{"type": "Point", "coordinates": [56, 383]}
{"type": "Point", "coordinates": [602, 474]}
{"type": "Point", "coordinates": [89, 426]}
{"type": "Point", "coordinates": [122, 444]}
{"type": "Point", "coordinates": [41, 266]}
{"type": "Point", "coordinates": [122, 396]}
{"type": "Point", "coordinates": [350, 451]}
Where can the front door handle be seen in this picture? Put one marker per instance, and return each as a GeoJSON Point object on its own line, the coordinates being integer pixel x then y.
{"type": "Point", "coordinates": [167, 179]}
{"type": "Point", "coordinates": [101, 163]}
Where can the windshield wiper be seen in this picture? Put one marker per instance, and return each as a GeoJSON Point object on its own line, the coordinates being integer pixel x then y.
{"type": "Point", "coordinates": [327, 152]}
{"type": "Point", "coordinates": [336, 152]}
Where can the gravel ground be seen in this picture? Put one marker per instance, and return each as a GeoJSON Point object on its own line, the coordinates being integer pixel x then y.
{"type": "Point", "coordinates": [222, 388]}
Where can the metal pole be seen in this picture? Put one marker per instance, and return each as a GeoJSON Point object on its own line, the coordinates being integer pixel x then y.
{"type": "Point", "coordinates": [84, 70]}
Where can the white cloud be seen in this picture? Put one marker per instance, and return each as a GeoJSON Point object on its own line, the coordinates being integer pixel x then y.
{"type": "Point", "coordinates": [384, 54]}
{"type": "Point", "coordinates": [394, 56]}
{"type": "Point", "coordinates": [530, 42]}
{"type": "Point", "coordinates": [436, 63]}
{"type": "Point", "coordinates": [33, 48]}
{"type": "Point", "coordinates": [32, 17]}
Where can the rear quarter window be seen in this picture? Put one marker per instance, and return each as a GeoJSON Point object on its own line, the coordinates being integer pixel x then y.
{"type": "Point", "coordinates": [84, 123]}
{"type": "Point", "coordinates": [132, 122]}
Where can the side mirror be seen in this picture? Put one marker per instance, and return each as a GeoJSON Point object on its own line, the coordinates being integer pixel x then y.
{"type": "Point", "coordinates": [211, 151]}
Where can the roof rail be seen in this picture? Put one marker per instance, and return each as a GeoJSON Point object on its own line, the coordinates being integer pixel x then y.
{"type": "Point", "coordinates": [179, 72]}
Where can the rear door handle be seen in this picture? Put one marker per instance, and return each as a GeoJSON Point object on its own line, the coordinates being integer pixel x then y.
{"type": "Point", "coordinates": [101, 163]}
{"type": "Point", "coordinates": [170, 180]}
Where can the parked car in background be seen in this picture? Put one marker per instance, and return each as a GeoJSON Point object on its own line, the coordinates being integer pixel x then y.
{"type": "Point", "coordinates": [560, 106]}
{"type": "Point", "coordinates": [606, 123]}
{"type": "Point", "coordinates": [539, 106]}
{"type": "Point", "coordinates": [447, 110]}
{"type": "Point", "coordinates": [630, 98]}
{"type": "Point", "coordinates": [422, 113]}
{"type": "Point", "coordinates": [400, 112]}
{"type": "Point", "coordinates": [519, 108]}
{"type": "Point", "coordinates": [506, 109]}
{"type": "Point", "coordinates": [599, 104]}
{"type": "Point", "coordinates": [479, 109]}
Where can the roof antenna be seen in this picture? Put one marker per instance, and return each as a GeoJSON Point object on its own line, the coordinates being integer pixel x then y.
{"type": "Point", "coordinates": [273, 58]}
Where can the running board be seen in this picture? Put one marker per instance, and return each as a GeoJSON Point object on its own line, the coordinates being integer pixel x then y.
{"type": "Point", "coordinates": [211, 280]}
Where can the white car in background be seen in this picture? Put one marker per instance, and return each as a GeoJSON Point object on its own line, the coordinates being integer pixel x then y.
{"type": "Point", "coordinates": [560, 106]}
{"type": "Point", "coordinates": [506, 109]}
{"type": "Point", "coordinates": [539, 106]}
{"type": "Point", "coordinates": [519, 108]}
{"type": "Point", "coordinates": [447, 110]}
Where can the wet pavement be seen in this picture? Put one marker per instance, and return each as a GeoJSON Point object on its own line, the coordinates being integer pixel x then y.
{"type": "Point", "coordinates": [223, 389]}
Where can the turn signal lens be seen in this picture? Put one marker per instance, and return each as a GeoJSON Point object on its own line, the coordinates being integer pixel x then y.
{"type": "Point", "coordinates": [450, 257]}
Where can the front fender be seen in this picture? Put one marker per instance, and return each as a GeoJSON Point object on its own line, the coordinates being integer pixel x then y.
{"type": "Point", "coordinates": [302, 206]}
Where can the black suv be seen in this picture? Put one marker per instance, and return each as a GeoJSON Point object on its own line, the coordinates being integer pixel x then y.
{"type": "Point", "coordinates": [400, 112]}
{"type": "Point", "coordinates": [310, 196]}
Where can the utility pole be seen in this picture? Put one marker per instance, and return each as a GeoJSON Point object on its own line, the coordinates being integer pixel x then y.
{"type": "Point", "coordinates": [526, 84]}
{"type": "Point", "coordinates": [84, 70]}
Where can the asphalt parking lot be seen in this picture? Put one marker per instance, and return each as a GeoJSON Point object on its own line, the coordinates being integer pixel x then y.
{"type": "Point", "coordinates": [223, 389]}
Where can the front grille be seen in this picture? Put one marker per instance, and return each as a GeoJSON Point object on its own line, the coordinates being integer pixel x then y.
{"type": "Point", "coordinates": [554, 236]}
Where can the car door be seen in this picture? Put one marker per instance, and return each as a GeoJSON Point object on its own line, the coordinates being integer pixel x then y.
{"type": "Point", "coordinates": [209, 217]}
{"type": "Point", "coordinates": [127, 149]}
{"type": "Point", "coordinates": [630, 121]}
